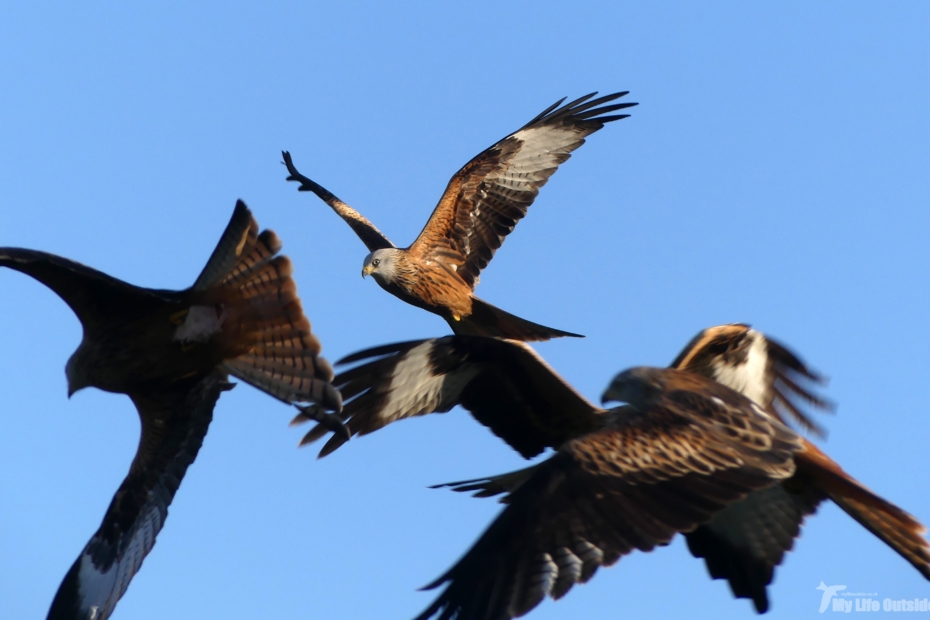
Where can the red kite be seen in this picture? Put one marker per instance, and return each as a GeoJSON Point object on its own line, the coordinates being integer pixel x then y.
{"type": "Point", "coordinates": [171, 352]}
{"type": "Point", "coordinates": [509, 388]}
{"type": "Point", "coordinates": [682, 450]}
{"type": "Point", "coordinates": [480, 207]}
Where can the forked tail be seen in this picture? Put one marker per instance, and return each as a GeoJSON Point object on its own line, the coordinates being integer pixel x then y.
{"type": "Point", "coordinates": [281, 355]}
{"type": "Point", "coordinates": [895, 527]}
{"type": "Point", "coordinates": [488, 320]}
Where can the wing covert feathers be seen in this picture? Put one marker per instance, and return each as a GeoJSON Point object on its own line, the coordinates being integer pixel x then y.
{"type": "Point", "coordinates": [632, 485]}
{"type": "Point", "coordinates": [486, 198]}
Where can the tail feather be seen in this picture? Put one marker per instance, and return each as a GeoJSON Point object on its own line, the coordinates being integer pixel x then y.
{"type": "Point", "coordinates": [896, 528]}
{"type": "Point", "coordinates": [272, 277]}
{"type": "Point", "coordinates": [292, 380]}
{"type": "Point", "coordinates": [242, 231]}
{"type": "Point", "coordinates": [272, 345]}
{"type": "Point", "coordinates": [252, 261]}
{"type": "Point", "coordinates": [488, 320]}
{"type": "Point", "coordinates": [892, 525]}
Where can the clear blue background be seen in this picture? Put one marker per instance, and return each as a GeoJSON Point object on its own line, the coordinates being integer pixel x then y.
{"type": "Point", "coordinates": [777, 172]}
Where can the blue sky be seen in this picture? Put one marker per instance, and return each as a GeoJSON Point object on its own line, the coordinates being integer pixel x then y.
{"type": "Point", "coordinates": [775, 172]}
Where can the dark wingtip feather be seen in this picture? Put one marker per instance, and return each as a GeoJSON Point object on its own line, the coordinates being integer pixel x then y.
{"type": "Point", "coordinates": [386, 349]}
{"type": "Point", "coordinates": [547, 110]}
{"type": "Point", "coordinates": [334, 443]}
{"type": "Point", "coordinates": [580, 108]}
{"type": "Point", "coordinates": [326, 422]}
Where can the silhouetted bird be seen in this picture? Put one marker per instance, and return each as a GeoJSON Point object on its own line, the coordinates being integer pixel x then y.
{"type": "Point", "coordinates": [171, 352]}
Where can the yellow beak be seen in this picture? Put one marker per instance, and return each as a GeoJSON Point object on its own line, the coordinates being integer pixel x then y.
{"type": "Point", "coordinates": [367, 269]}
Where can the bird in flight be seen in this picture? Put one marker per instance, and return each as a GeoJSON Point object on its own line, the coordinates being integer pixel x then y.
{"type": "Point", "coordinates": [480, 207]}
{"type": "Point", "coordinates": [681, 450]}
{"type": "Point", "coordinates": [171, 352]}
{"type": "Point", "coordinates": [507, 387]}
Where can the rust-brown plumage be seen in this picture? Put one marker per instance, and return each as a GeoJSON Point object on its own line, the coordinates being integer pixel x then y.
{"type": "Point", "coordinates": [745, 542]}
{"type": "Point", "coordinates": [507, 387]}
{"type": "Point", "coordinates": [683, 449]}
{"type": "Point", "coordinates": [481, 206]}
{"type": "Point", "coordinates": [171, 352]}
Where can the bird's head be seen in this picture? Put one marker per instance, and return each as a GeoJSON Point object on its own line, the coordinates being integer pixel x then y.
{"type": "Point", "coordinates": [381, 264]}
{"type": "Point", "coordinates": [635, 386]}
{"type": "Point", "coordinates": [75, 369]}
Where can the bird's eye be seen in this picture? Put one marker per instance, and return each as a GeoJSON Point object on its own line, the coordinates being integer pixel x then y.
{"type": "Point", "coordinates": [376, 262]}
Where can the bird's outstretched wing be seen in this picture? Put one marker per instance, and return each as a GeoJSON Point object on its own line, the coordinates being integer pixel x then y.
{"type": "Point", "coordinates": [491, 193]}
{"type": "Point", "coordinates": [373, 238]}
{"type": "Point", "coordinates": [633, 485]}
{"type": "Point", "coordinates": [174, 423]}
{"type": "Point", "coordinates": [760, 368]}
{"type": "Point", "coordinates": [79, 286]}
{"type": "Point", "coordinates": [503, 383]}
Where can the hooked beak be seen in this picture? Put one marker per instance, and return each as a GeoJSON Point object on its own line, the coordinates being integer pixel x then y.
{"type": "Point", "coordinates": [366, 270]}
{"type": "Point", "coordinates": [610, 395]}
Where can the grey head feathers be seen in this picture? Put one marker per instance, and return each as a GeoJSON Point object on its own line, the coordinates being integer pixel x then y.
{"type": "Point", "coordinates": [382, 264]}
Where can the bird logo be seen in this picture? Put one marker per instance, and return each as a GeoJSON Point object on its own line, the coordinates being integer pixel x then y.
{"type": "Point", "coordinates": [828, 593]}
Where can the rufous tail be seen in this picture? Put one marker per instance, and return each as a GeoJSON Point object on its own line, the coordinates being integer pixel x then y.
{"type": "Point", "coordinates": [282, 355]}
{"type": "Point", "coordinates": [895, 527]}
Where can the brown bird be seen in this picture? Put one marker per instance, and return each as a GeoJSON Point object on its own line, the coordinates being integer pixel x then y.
{"type": "Point", "coordinates": [746, 541]}
{"type": "Point", "coordinates": [509, 388]}
{"type": "Point", "coordinates": [171, 353]}
{"type": "Point", "coordinates": [480, 207]}
{"type": "Point", "coordinates": [682, 450]}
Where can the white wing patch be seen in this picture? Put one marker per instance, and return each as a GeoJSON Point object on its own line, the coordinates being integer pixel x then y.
{"type": "Point", "coordinates": [201, 324]}
{"type": "Point", "coordinates": [99, 591]}
{"type": "Point", "coordinates": [415, 389]}
{"type": "Point", "coordinates": [94, 588]}
{"type": "Point", "coordinates": [751, 378]}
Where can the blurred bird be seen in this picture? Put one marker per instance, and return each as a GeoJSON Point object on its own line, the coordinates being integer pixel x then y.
{"type": "Point", "coordinates": [171, 352]}
{"type": "Point", "coordinates": [480, 207]}
{"type": "Point", "coordinates": [509, 388]}
{"type": "Point", "coordinates": [683, 449]}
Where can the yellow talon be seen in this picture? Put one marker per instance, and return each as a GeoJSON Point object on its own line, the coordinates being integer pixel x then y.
{"type": "Point", "coordinates": [456, 317]}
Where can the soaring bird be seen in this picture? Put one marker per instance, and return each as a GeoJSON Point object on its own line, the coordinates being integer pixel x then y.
{"type": "Point", "coordinates": [480, 207]}
{"type": "Point", "coordinates": [171, 352]}
{"type": "Point", "coordinates": [509, 388]}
